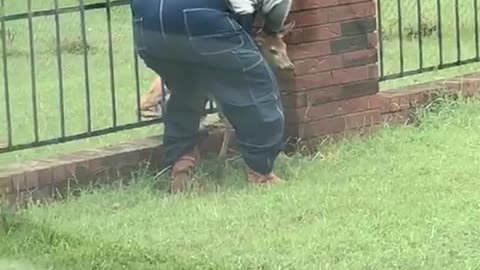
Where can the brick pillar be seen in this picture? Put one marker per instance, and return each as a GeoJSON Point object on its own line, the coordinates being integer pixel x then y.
{"type": "Point", "coordinates": [334, 48]}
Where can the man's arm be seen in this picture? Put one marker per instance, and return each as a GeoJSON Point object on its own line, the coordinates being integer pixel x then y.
{"type": "Point", "coordinates": [274, 11]}
{"type": "Point", "coordinates": [242, 7]}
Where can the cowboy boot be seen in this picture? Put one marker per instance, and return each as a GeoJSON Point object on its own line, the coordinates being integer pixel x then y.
{"type": "Point", "coordinates": [182, 170]}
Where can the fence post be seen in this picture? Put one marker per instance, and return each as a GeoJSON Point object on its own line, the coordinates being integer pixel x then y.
{"type": "Point", "coordinates": [334, 48]}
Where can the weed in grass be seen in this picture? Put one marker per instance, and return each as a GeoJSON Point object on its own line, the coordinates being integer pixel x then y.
{"type": "Point", "coordinates": [75, 46]}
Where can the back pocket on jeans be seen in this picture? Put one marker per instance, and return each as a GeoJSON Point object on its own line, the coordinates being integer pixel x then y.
{"type": "Point", "coordinates": [211, 31]}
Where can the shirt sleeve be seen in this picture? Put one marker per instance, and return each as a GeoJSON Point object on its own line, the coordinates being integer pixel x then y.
{"type": "Point", "coordinates": [242, 7]}
{"type": "Point", "coordinates": [276, 16]}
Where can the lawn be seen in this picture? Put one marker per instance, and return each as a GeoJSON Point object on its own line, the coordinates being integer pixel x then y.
{"type": "Point", "coordinates": [75, 104]}
{"type": "Point", "coordinates": [403, 198]}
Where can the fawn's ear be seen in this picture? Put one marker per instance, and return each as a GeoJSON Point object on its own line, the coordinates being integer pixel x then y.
{"type": "Point", "coordinates": [287, 28]}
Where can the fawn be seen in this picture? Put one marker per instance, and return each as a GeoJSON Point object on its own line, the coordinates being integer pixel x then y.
{"type": "Point", "coordinates": [274, 50]}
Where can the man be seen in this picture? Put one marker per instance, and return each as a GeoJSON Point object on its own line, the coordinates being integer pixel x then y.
{"type": "Point", "coordinates": [204, 45]}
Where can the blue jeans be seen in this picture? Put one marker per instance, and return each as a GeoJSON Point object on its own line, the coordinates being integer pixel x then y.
{"type": "Point", "coordinates": [200, 49]}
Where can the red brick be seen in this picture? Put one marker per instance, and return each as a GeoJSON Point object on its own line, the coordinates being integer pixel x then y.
{"type": "Point", "coordinates": [354, 11]}
{"type": "Point", "coordinates": [417, 99]}
{"type": "Point", "coordinates": [309, 17]}
{"type": "Point", "coordinates": [333, 14]}
{"type": "Point", "coordinates": [60, 173]}
{"type": "Point", "coordinates": [399, 103]}
{"type": "Point", "coordinates": [31, 179]}
{"type": "Point", "coordinates": [331, 62]}
{"type": "Point", "coordinates": [6, 184]}
{"type": "Point", "coordinates": [350, 44]}
{"type": "Point", "coordinates": [318, 64]}
{"type": "Point", "coordinates": [343, 2]}
{"type": "Point", "coordinates": [360, 26]}
{"type": "Point", "coordinates": [129, 163]}
{"type": "Point", "coordinates": [327, 94]}
{"type": "Point", "coordinates": [38, 173]}
{"type": "Point", "coordinates": [314, 33]}
{"type": "Point", "coordinates": [379, 102]}
{"type": "Point", "coordinates": [335, 77]}
{"type": "Point", "coordinates": [313, 4]}
{"type": "Point", "coordinates": [312, 81]}
{"type": "Point", "coordinates": [394, 104]}
{"type": "Point", "coordinates": [73, 157]}
{"type": "Point", "coordinates": [307, 50]}
{"type": "Point", "coordinates": [43, 194]}
{"type": "Point", "coordinates": [18, 181]}
{"type": "Point", "coordinates": [82, 173]}
{"type": "Point", "coordinates": [97, 167]}
{"type": "Point", "coordinates": [372, 41]}
{"type": "Point", "coordinates": [146, 155]}
{"type": "Point", "coordinates": [327, 110]}
{"type": "Point", "coordinates": [46, 174]}
{"type": "Point", "coordinates": [321, 127]}
{"type": "Point", "coordinates": [401, 117]}
{"type": "Point", "coordinates": [362, 119]}
{"type": "Point", "coordinates": [362, 57]}
{"type": "Point", "coordinates": [405, 102]}
{"type": "Point", "coordinates": [332, 46]}
{"type": "Point", "coordinates": [348, 75]}
{"type": "Point", "coordinates": [292, 101]}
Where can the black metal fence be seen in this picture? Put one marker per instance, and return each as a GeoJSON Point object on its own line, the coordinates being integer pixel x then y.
{"type": "Point", "coordinates": [418, 36]}
{"type": "Point", "coordinates": [71, 80]}
{"type": "Point", "coordinates": [62, 20]}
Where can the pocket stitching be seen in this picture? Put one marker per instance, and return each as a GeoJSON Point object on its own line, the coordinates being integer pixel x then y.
{"type": "Point", "coordinates": [206, 37]}
{"type": "Point", "coordinates": [186, 11]}
{"type": "Point", "coordinates": [265, 98]}
{"type": "Point", "coordinates": [254, 65]}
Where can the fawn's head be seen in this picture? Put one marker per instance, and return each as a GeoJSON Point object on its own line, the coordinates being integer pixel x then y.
{"type": "Point", "coordinates": [274, 48]}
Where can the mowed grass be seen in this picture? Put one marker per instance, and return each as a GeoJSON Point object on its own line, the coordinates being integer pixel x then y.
{"type": "Point", "coordinates": [404, 198]}
{"type": "Point", "coordinates": [75, 103]}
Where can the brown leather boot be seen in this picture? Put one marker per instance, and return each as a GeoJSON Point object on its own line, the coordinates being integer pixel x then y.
{"type": "Point", "coordinates": [260, 179]}
{"type": "Point", "coordinates": [182, 170]}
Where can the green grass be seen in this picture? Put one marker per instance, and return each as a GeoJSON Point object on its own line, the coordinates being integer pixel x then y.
{"type": "Point", "coordinates": [404, 198]}
{"type": "Point", "coordinates": [97, 38]}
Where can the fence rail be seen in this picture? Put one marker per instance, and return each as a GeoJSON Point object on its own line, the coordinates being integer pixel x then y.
{"type": "Point", "coordinates": [78, 52]}
{"type": "Point", "coordinates": [415, 36]}
{"type": "Point", "coordinates": [62, 10]}
{"type": "Point", "coordinates": [418, 36]}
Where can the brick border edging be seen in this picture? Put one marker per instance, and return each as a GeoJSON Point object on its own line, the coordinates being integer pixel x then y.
{"type": "Point", "coordinates": [396, 105]}
{"type": "Point", "coordinates": [45, 179]}
{"type": "Point", "coordinates": [326, 118]}
{"type": "Point", "coordinates": [41, 179]}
